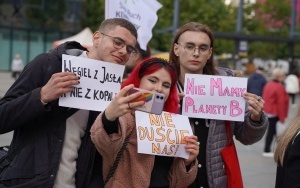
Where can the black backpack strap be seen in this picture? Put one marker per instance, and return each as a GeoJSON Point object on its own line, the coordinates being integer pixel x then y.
{"type": "Point", "coordinates": [6, 160]}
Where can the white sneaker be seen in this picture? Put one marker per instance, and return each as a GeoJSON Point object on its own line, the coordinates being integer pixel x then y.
{"type": "Point", "coordinates": [268, 154]}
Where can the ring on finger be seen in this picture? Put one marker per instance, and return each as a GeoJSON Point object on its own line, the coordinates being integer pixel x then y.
{"type": "Point", "coordinates": [259, 98]}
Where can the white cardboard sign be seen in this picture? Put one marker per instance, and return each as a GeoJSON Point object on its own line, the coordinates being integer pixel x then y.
{"type": "Point", "coordinates": [214, 97]}
{"type": "Point", "coordinates": [162, 134]}
{"type": "Point", "coordinates": [99, 82]}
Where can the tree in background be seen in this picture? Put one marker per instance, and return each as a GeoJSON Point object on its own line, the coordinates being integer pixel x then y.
{"type": "Point", "coordinates": [272, 18]}
{"type": "Point", "coordinates": [52, 14]}
{"type": "Point", "coordinates": [212, 13]}
{"type": "Point", "coordinates": [48, 14]}
{"type": "Point", "coordinates": [93, 14]}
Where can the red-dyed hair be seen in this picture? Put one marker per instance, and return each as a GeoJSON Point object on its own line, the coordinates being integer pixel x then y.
{"type": "Point", "coordinates": [149, 66]}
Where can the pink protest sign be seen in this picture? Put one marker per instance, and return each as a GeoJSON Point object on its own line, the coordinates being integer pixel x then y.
{"type": "Point", "coordinates": [214, 97]}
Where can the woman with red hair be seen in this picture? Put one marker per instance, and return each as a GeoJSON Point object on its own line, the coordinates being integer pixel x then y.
{"type": "Point", "coordinates": [118, 121]}
{"type": "Point", "coordinates": [150, 66]}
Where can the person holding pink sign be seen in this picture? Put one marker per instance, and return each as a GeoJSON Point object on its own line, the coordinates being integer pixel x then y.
{"type": "Point", "coordinates": [192, 52]}
{"type": "Point", "coordinates": [116, 126]}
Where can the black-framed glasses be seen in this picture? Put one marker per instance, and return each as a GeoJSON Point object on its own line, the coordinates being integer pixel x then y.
{"type": "Point", "coordinates": [190, 48]}
{"type": "Point", "coordinates": [120, 43]}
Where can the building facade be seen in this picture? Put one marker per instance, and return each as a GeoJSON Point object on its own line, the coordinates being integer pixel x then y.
{"type": "Point", "coordinates": [16, 37]}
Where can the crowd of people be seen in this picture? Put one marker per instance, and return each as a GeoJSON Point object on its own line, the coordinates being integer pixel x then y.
{"type": "Point", "coordinates": [68, 147]}
{"type": "Point", "coordinates": [280, 93]}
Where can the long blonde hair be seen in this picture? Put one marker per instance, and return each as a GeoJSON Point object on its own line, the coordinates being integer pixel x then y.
{"type": "Point", "coordinates": [286, 138]}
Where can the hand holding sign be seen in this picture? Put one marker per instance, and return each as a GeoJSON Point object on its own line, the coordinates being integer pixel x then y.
{"type": "Point", "coordinates": [59, 84]}
{"type": "Point", "coordinates": [214, 97]}
{"type": "Point", "coordinates": [166, 134]}
{"type": "Point", "coordinates": [99, 83]}
{"type": "Point", "coordinates": [192, 147]}
{"type": "Point", "coordinates": [256, 104]}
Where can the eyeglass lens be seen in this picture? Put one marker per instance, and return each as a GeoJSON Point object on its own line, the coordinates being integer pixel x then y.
{"type": "Point", "coordinates": [191, 48]}
{"type": "Point", "coordinates": [120, 43]}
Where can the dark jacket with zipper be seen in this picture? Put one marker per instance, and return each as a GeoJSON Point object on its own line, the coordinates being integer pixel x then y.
{"type": "Point", "coordinates": [42, 127]}
{"type": "Point", "coordinates": [287, 175]}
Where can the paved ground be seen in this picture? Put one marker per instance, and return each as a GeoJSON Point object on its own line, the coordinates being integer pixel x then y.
{"type": "Point", "coordinates": [5, 82]}
{"type": "Point", "coordinates": [257, 171]}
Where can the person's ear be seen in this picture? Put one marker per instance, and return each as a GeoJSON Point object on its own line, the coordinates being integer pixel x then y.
{"type": "Point", "coordinates": [176, 50]}
{"type": "Point", "coordinates": [96, 37]}
{"type": "Point", "coordinates": [210, 53]}
{"type": "Point", "coordinates": [135, 56]}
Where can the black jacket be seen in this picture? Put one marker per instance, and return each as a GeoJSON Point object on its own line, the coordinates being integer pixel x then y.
{"type": "Point", "coordinates": [256, 83]}
{"type": "Point", "coordinates": [288, 175]}
{"type": "Point", "coordinates": [22, 112]}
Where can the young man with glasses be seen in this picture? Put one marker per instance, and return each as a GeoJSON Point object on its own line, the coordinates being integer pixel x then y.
{"type": "Point", "coordinates": [59, 152]}
{"type": "Point", "coordinates": [192, 52]}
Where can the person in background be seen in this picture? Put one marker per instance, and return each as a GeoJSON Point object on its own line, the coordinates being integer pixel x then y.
{"type": "Point", "coordinates": [16, 66]}
{"type": "Point", "coordinates": [287, 155]}
{"type": "Point", "coordinates": [135, 59]}
{"type": "Point", "coordinates": [118, 121]}
{"type": "Point", "coordinates": [60, 152]}
{"type": "Point", "coordinates": [250, 67]}
{"type": "Point", "coordinates": [237, 73]}
{"type": "Point", "coordinates": [256, 82]}
{"type": "Point", "coordinates": [192, 52]}
{"type": "Point", "coordinates": [276, 106]}
{"type": "Point", "coordinates": [292, 87]}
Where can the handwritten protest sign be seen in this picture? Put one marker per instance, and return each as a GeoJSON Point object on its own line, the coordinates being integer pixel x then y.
{"type": "Point", "coordinates": [214, 97]}
{"type": "Point", "coordinates": [99, 83]}
{"type": "Point", "coordinates": [162, 134]}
